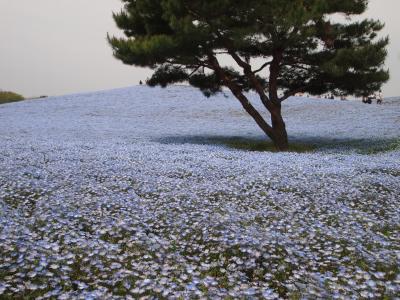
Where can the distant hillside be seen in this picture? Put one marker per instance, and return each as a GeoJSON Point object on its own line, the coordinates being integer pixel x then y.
{"type": "Point", "coordinates": [392, 99]}
{"type": "Point", "coordinates": [6, 97]}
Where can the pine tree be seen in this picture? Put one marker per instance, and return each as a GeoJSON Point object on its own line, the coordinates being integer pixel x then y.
{"type": "Point", "coordinates": [279, 47]}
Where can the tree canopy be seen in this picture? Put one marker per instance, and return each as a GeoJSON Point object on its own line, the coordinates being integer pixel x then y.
{"type": "Point", "coordinates": [279, 48]}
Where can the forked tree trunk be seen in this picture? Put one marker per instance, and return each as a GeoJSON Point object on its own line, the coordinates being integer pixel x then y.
{"type": "Point", "coordinates": [277, 132]}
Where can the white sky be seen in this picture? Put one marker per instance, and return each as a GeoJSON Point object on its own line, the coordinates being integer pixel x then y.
{"type": "Point", "coordinates": [54, 47]}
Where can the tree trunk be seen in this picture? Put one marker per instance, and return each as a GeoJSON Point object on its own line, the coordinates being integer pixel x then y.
{"type": "Point", "coordinates": [280, 137]}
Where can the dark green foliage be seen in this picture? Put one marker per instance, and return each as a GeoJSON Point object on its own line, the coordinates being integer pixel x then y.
{"type": "Point", "coordinates": [168, 74]}
{"type": "Point", "coordinates": [289, 46]}
{"type": "Point", "coordinates": [319, 54]}
{"type": "Point", "coordinates": [209, 84]}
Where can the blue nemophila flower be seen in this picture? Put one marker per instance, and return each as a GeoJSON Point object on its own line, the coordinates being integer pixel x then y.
{"type": "Point", "coordinates": [102, 203]}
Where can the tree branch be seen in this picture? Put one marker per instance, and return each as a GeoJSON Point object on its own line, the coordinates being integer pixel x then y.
{"type": "Point", "coordinates": [194, 71]}
{"type": "Point", "coordinates": [262, 67]}
{"type": "Point", "coordinates": [237, 91]}
{"type": "Point", "coordinates": [273, 76]}
{"type": "Point", "coordinates": [292, 93]}
{"type": "Point", "coordinates": [296, 65]}
{"type": "Point", "coordinates": [250, 75]}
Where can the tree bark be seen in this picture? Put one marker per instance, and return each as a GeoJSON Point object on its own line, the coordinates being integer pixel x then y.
{"type": "Point", "coordinates": [280, 138]}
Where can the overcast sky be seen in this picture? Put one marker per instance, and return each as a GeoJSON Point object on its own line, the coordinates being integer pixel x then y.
{"type": "Point", "coordinates": [55, 47]}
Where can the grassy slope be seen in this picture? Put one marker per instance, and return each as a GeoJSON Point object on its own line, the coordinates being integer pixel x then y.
{"type": "Point", "coordinates": [7, 97]}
